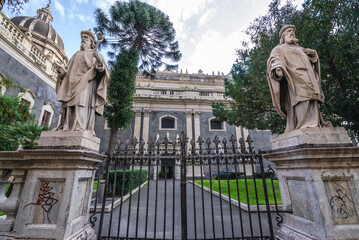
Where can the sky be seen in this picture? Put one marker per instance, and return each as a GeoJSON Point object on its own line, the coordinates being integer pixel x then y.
{"type": "Point", "coordinates": [208, 31]}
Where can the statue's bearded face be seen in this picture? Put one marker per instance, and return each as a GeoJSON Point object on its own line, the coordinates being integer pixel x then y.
{"type": "Point", "coordinates": [289, 36]}
{"type": "Point", "coordinates": [85, 42]}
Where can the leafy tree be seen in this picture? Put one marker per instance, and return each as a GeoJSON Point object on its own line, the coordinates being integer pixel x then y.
{"type": "Point", "coordinates": [331, 28]}
{"type": "Point", "coordinates": [13, 5]}
{"type": "Point", "coordinates": [118, 109]}
{"type": "Point", "coordinates": [134, 28]}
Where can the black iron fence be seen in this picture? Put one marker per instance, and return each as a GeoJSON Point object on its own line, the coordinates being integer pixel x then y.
{"type": "Point", "coordinates": [186, 190]}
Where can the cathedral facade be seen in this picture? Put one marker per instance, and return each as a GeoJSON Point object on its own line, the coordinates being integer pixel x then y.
{"type": "Point", "coordinates": [163, 107]}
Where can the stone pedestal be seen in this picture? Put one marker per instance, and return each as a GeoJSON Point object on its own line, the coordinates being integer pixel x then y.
{"type": "Point", "coordinates": [55, 199]}
{"type": "Point", "coordinates": [319, 184]}
{"type": "Point", "coordinates": [312, 136]}
{"type": "Point", "coordinates": [69, 140]}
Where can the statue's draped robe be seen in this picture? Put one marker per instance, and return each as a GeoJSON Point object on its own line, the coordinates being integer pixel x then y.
{"type": "Point", "coordinates": [297, 95]}
{"type": "Point", "coordinates": [82, 91]}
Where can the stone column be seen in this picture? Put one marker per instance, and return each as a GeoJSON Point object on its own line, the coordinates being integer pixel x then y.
{"type": "Point", "coordinates": [197, 128]}
{"type": "Point", "coordinates": [318, 173]}
{"type": "Point", "coordinates": [146, 125]}
{"type": "Point", "coordinates": [137, 127]}
{"type": "Point", "coordinates": [238, 132]}
{"type": "Point", "coordinates": [189, 128]}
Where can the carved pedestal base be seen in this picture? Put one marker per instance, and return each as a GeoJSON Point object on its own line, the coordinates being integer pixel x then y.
{"type": "Point", "coordinates": [55, 200]}
{"type": "Point", "coordinates": [69, 140]}
{"type": "Point", "coordinates": [319, 189]}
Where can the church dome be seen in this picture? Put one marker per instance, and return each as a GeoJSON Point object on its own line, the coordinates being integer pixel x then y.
{"type": "Point", "coordinates": [42, 34]}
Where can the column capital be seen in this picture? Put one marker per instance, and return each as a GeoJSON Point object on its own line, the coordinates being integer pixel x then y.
{"type": "Point", "coordinates": [138, 113]}
{"type": "Point", "coordinates": [146, 113]}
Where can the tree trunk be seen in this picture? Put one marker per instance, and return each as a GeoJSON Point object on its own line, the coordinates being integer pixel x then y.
{"type": "Point", "coordinates": [112, 141]}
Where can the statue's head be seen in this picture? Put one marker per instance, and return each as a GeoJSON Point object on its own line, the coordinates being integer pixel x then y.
{"type": "Point", "coordinates": [287, 35]}
{"type": "Point", "coordinates": [87, 40]}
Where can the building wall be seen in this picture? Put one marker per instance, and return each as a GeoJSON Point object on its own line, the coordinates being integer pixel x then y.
{"type": "Point", "coordinates": [154, 124]}
{"type": "Point", "coordinates": [11, 68]}
{"type": "Point", "coordinates": [227, 131]}
{"type": "Point", "coordinates": [103, 132]}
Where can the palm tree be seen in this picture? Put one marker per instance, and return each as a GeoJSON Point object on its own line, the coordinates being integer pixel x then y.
{"type": "Point", "coordinates": [140, 36]}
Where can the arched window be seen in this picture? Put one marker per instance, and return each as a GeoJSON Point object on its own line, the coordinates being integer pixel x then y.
{"type": "Point", "coordinates": [216, 125]}
{"type": "Point", "coordinates": [168, 122]}
{"type": "Point", "coordinates": [28, 98]}
{"type": "Point", "coordinates": [47, 112]}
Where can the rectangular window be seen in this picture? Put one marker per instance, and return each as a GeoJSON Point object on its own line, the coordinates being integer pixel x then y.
{"type": "Point", "coordinates": [45, 118]}
{"type": "Point", "coordinates": [164, 92]}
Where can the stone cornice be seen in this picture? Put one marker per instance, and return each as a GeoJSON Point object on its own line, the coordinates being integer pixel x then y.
{"type": "Point", "coordinates": [314, 157]}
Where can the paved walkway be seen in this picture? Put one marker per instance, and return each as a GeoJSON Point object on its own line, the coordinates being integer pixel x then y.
{"type": "Point", "coordinates": [112, 224]}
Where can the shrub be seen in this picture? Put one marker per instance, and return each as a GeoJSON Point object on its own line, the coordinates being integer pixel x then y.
{"type": "Point", "coordinates": [266, 175]}
{"type": "Point", "coordinates": [232, 175]}
{"type": "Point", "coordinates": [136, 181]}
{"type": "Point", "coordinates": [23, 134]}
{"type": "Point", "coordinates": [161, 174]}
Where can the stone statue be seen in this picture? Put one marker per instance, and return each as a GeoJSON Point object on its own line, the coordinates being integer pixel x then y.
{"type": "Point", "coordinates": [81, 86]}
{"type": "Point", "coordinates": [293, 75]}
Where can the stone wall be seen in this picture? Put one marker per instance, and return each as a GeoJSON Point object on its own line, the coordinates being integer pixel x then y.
{"type": "Point", "coordinates": [21, 75]}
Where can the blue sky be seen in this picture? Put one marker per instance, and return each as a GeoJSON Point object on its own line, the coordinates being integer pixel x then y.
{"type": "Point", "coordinates": [208, 31]}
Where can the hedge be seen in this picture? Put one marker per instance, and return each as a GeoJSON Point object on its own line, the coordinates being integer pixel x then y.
{"type": "Point", "coordinates": [127, 185]}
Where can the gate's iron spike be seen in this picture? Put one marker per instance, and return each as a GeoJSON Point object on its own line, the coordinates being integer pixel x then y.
{"type": "Point", "coordinates": [232, 139]}
{"type": "Point", "coordinates": [242, 145]}
{"type": "Point", "coordinates": [216, 140]}
{"type": "Point", "coordinates": [165, 141]}
{"type": "Point", "coordinates": [158, 142]}
{"type": "Point", "coordinates": [134, 142]}
{"type": "Point", "coordinates": [200, 140]}
{"type": "Point", "coordinates": [250, 141]}
{"type": "Point", "coordinates": [150, 142]}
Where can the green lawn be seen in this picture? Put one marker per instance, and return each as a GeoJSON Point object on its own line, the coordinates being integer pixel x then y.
{"type": "Point", "coordinates": [242, 190]}
{"type": "Point", "coordinates": [95, 185]}
{"type": "Point", "coordinates": [1, 214]}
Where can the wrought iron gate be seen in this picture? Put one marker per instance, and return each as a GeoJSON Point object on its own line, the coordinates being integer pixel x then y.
{"type": "Point", "coordinates": [210, 190]}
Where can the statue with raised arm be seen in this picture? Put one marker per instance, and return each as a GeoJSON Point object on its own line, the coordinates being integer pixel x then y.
{"type": "Point", "coordinates": [81, 86]}
{"type": "Point", "coordinates": [293, 75]}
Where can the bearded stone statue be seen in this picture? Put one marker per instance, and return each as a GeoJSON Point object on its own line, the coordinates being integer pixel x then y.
{"type": "Point", "coordinates": [293, 75]}
{"type": "Point", "coordinates": [81, 87]}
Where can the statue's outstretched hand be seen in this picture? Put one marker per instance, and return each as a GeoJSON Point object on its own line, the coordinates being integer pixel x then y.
{"type": "Point", "coordinates": [60, 69]}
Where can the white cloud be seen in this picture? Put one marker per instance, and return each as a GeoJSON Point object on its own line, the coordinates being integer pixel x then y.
{"type": "Point", "coordinates": [208, 15]}
{"type": "Point", "coordinates": [81, 17]}
{"type": "Point", "coordinates": [60, 8]}
{"type": "Point", "coordinates": [103, 4]}
{"type": "Point", "coordinates": [81, 1]}
{"type": "Point", "coordinates": [213, 52]}
{"type": "Point", "coordinates": [180, 11]}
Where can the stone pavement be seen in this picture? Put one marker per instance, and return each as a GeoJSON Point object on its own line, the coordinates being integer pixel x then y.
{"type": "Point", "coordinates": [191, 223]}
